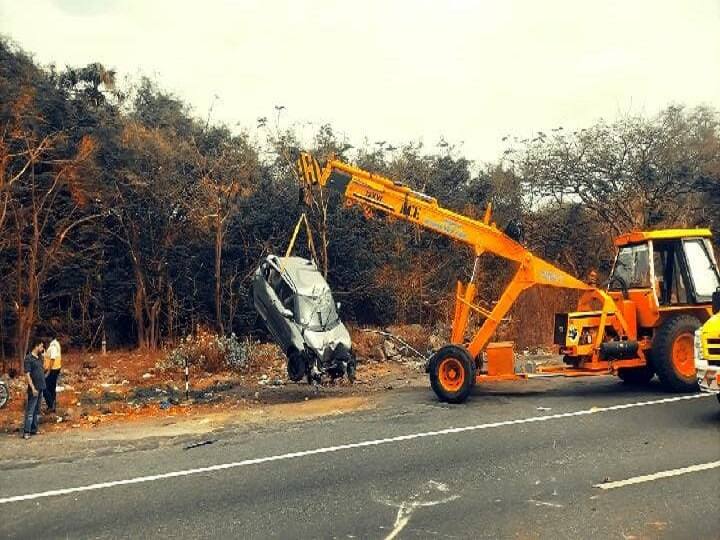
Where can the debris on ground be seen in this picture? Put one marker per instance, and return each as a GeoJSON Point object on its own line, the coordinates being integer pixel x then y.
{"type": "Point", "coordinates": [124, 386]}
{"type": "Point", "coordinates": [201, 443]}
{"type": "Point", "coordinates": [403, 344]}
{"type": "Point", "coordinates": [165, 404]}
{"type": "Point", "coordinates": [114, 388]}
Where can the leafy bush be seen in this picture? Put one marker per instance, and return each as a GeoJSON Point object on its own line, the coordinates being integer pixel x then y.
{"type": "Point", "coordinates": [211, 352]}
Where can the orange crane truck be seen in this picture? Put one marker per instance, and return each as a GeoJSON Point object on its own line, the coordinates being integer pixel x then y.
{"type": "Point", "coordinates": [643, 324]}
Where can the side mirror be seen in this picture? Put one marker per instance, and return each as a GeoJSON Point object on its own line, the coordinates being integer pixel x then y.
{"type": "Point", "coordinates": [286, 313]}
{"type": "Point", "coordinates": [716, 301]}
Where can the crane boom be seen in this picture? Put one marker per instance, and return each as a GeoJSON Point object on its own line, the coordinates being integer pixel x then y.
{"type": "Point", "coordinates": [378, 193]}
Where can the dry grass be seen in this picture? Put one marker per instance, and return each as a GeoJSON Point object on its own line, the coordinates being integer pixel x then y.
{"type": "Point", "coordinates": [531, 321]}
{"type": "Point", "coordinates": [529, 324]}
{"type": "Point", "coordinates": [366, 345]}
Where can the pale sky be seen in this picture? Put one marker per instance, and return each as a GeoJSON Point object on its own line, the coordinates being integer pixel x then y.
{"type": "Point", "coordinates": [395, 70]}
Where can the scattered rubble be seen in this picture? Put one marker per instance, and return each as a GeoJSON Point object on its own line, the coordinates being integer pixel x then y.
{"type": "Point", "coordinates": [127, 385]}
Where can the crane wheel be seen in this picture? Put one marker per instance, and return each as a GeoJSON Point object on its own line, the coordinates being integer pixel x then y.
{"type": "Point", "coordinates": [673, 355]}
{"type": "Point", "coordinates": [452, 374]}
{"type": "Point", "coordinates": [636, 376]}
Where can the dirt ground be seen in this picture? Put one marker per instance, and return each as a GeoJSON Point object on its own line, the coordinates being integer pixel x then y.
{"type": "Point", "coordinates": [128, 394]}
{"type": "Point", "coordinates": [126, 387]}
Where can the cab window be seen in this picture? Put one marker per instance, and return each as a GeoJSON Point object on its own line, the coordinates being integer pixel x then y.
{"type": "Point", "coordinates": [701, 267]}
{"type": "Point", "coordinates": [669, 276]}
{"type": "Point", "coordinates": [632, 266]}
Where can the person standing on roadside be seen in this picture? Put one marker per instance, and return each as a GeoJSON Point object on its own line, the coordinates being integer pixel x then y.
{"type": "Point", "coordinates": [33, 367]}
{"type": "Point", "coordinates": [52, 365]}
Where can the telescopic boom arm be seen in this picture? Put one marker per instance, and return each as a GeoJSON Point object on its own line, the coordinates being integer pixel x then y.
{"type": "Point", "coordinates": [375, 192]}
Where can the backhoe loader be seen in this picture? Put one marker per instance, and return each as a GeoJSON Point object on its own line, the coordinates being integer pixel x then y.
{"type": "Point", "coordinates": [642, 324]}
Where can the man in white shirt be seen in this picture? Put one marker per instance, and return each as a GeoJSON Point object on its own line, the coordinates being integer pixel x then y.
{"type": "Point", "coordinates": [53, 365]}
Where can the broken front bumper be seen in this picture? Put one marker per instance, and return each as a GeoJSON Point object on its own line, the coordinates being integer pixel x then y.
{"type": "Point", "coordinates": [708, 377]}
{"type": "Point", "coordinates": [708, 370]}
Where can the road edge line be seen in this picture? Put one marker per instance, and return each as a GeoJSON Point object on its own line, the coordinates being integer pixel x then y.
{"type": "Point", "coordinates": [332, 449]}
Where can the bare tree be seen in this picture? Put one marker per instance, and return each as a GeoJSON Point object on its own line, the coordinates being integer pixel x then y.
{"type": "Point", "coordinates": [150, 213]}
{"type": "Point", "coordinates": [226, 179]}
{"type": "Point", "coordinates": [46, 202]}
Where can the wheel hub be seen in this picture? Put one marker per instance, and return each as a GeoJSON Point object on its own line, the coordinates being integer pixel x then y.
{"type": "Point", "coordinates": [451, 374]}
{"type": "Point", "coordinates": [683, 355]}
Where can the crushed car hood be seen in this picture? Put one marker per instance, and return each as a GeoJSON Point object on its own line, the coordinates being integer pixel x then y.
{"type": "Point", "coordinates": [327, 340]}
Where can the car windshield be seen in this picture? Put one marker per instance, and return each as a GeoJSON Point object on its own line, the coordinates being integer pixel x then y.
{"type": "Point", "coordinates": [632, 267]}
{"type": "Point", "coordinates": [317, 313]}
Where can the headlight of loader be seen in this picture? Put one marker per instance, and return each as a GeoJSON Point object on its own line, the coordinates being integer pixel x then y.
{"type": "Point", "coordinates": [698, 345]}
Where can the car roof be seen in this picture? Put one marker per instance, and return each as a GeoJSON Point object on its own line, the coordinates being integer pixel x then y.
{"type": "Point", "coordinates": [637, 237]}
{"type": "Point", "coordinates": [302, 275]}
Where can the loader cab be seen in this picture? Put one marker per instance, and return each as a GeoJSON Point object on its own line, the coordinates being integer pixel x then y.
{"type": "Point", "coordinates": [662, 271]}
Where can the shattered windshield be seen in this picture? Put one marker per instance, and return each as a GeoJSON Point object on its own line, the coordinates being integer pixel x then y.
{"type": "Point", "coordinates": [633, 267]}
{"type": "Point", "coordinates": [316, 312]}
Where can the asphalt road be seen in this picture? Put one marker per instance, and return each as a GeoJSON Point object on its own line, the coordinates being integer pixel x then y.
{"type": "Point", "coordinates": [518, 460]}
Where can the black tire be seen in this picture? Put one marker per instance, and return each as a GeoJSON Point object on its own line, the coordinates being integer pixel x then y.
{"type": "Point", "coordinates": [313, 374]}
{"type": "Point", "coordinates": [661, 353]}
{"type": "Point", "coordinates": [636, 376]}
{"type": "Point", "coordinates": [4, 394]}
{"type": "Point", "coordinates": [296, 366]}
{"type": "Point", "coordinates": [351, 368]}
{"type": "Point", "coordinates": [440, 369]}
{"type": "Point", "coordinates": [345, 361]}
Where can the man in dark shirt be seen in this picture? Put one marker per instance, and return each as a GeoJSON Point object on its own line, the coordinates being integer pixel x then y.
{"type": "Point", "coordinates": [33, 367]}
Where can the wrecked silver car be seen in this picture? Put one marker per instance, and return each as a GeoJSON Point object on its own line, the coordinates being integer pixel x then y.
{"type": "Point", "coordinates": [296, 304]}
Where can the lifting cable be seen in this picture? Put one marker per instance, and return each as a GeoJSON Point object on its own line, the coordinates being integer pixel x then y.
{"type": "Point", "coordinates": [311, 245]}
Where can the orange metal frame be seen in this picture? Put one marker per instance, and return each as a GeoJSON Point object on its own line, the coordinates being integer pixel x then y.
{"type": "Point", "coordinates": [375, 192]}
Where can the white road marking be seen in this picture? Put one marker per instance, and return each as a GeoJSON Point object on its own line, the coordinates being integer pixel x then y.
{"type": "Point", "coordinates": [543, 503]}
{"type": "Point", "coordinates": [659, 475]}
{"type": "Point", "coordinates": [415, 501]}
{"type": "Point", "coordinates": [350, 446]}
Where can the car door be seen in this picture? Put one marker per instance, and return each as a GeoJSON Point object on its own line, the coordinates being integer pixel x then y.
{"type": "Point", "coordinates": [285, 323]}
{"type": "Point", "coordinates": [268, 304]}
{"type": "Point", "coordinates": [260, 297]}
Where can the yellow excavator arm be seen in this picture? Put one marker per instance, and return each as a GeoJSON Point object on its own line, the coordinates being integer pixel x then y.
{"type": "Point", "coordinates": [378, 193]}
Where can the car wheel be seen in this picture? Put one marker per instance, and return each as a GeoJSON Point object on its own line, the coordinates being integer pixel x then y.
{"type": "Point", "coordinates": [296, 365]}
{"type": "Point", "coordinates": [345, 361]}
{"type": "Point", "coordinates": [312, 371]}
{"type": "Point", "coordinates": [351, 368]}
